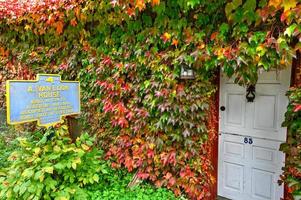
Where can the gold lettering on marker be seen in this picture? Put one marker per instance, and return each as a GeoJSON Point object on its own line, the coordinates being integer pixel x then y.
{"type": "Point", "coordinates": [29, 89]}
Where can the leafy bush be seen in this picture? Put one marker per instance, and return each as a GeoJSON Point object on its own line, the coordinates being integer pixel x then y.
{"type": "Point", "coordinates": [115, 187]}
{"type": "Point", "coordinates": [8, 143]}
{"type": "Point", "coordinates": [53, 167]}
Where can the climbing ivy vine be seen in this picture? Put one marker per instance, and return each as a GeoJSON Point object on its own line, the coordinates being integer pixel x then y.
{"type": "Point", "coordinates": [292, 175]}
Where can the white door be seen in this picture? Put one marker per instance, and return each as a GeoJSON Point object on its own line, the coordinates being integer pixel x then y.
{"type": "Point", "coordinates": [250, 135]}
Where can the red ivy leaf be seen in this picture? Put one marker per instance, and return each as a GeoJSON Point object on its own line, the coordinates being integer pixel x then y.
{"type": "Point", "coordinates": [213, 36]}
{"type": "Point", "coordinates": [143, 175]}
{"type": "Point", "coordinates": [297, 108]}
{"type": "Point", "coordinates": [168, 175]}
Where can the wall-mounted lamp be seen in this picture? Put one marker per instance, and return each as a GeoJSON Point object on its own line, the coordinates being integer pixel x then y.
{"type": "Point", "coordinates": [250, 93]}
{"type": "Point", "coordinates": [187, 72]}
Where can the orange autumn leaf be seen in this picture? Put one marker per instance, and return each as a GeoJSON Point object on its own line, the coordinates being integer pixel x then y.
{"type": "Point", "coordinates": [140, 4]}
{"type": "Point", "coordinates": [131, 12]}
{"type": "Point", "coordinates": [73, 22]}
{"type": "Point", "coordinates": [175, 42]}
{"type": "Point", "coordinates": [201, 46]}
{"type": "Point", "coordinates": [83, 17]}
{"type": "Point", "coordinates": [77, 12]}
{"type": "Point", "coordinates": [33, 54]}
{"type": "Point", "coordinates": [213, 35]}
{"type": "Point", "coordinates": [155, 2]}
{"type": "Point", "coordinates": [3, 52]}
{"type": "Point", "coordinates": [59, 27]}
{"type": "Point", "coordinates": [50, 19]}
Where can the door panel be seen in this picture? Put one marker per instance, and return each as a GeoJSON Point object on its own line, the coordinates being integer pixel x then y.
{"type": "Point", "coordinates": [235, 109]}
{"type": "Point", "coordinates": [250, 162]}
{"type": "Point", "coordinates": [233, 166]}
{"type": "Point", "coordinates": [249, 171]}
{"type": "Point", "coordinates": [262, 184]}
{"type": "Point", "coordinates": [264, 114]}
{"type": "Point", "coordinates": [234, 176]}
{"type": "Point", "coordinates": [261, 118]}
{"type": "Point", "coordinates": [234, 149]}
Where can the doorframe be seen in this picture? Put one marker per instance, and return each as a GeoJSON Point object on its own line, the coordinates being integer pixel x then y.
{"type": "Point", "coordinates": [214, 155]}
{"type": "Point", "coordinates": [295, 81]}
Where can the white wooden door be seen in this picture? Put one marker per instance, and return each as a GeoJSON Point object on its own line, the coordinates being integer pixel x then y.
{"type": "Point", "coordinates": [250, 135]}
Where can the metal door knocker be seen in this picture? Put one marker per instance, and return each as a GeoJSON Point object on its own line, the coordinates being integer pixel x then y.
{"type": "Point", "coordinates": [250, 93]}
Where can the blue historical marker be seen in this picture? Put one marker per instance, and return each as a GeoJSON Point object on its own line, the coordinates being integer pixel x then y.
{"type": "Point", "coordinates": [45, 100]}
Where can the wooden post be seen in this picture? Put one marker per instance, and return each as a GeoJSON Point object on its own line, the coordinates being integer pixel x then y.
{"type": "Point", "coordinates": [74, 126]}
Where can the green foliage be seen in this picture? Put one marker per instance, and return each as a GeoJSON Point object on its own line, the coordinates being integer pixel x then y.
{"type": "Point", "coordinates": [9, 143]}
{"type": "Point", "coordinates": [53, 167]}
{"type": "Point", "coordinates": [116, 188]}
{"type": "Point", "coordinates": [292, 149]}
{"type": "Point", "coordinates": [6, 146]}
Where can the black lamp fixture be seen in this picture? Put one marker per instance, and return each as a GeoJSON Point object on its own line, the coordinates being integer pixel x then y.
{"type": "Point", "coordinates": [250, 93]}
{"type": "Point", "coordinates": [187, 72]}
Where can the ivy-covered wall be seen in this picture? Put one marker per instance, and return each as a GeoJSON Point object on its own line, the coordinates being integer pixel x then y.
{"type": "Point", "coordinates": [128, 56]}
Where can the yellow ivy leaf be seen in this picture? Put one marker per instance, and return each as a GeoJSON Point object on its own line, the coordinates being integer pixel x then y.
{"type": "Point", "coordinates": [64, 127]}
{"type": "Point", "coordinates": [41, 178]}
{"type": "Point", "coordinates": [63, 198]}
{"type": "Point", "coordinates": [73, 165]}
{"type": "Point", "coordinates": [85, 147]}
{"type": "Point", "coordinates": [151, 145]}
{"type": "Point", "coordinates": [27, 27]}
{"type": "Point", "coordinates": [140, 4]}
{"type": "Point", "coordinates": [77, 160]}
{"type": "Point", "coordinates": [37, 150]}
{"type": "Point", "coordinates": [27, 173]}
{"type": "Point", "coordinates": [48, 170]}
{"type": "Point", "coordinates": [56, 148]}
{"type": "Point", "coordinates": [96, 178]}
{"type": "Point", "coordinates": [275, 3]}
{"type": "Point", "coordinates": [288, 4]}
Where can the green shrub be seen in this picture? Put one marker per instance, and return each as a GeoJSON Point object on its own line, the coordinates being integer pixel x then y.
{"type": "Point", "coordinates": [52, 168]}
{"type": "Point", "coordinates": [8, 143]}
{"type": "Point", "coordinates": [115, 188]}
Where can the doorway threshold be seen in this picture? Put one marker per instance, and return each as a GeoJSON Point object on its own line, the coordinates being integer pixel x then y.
{"type": "Point", "coordinates": [222, 198]}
